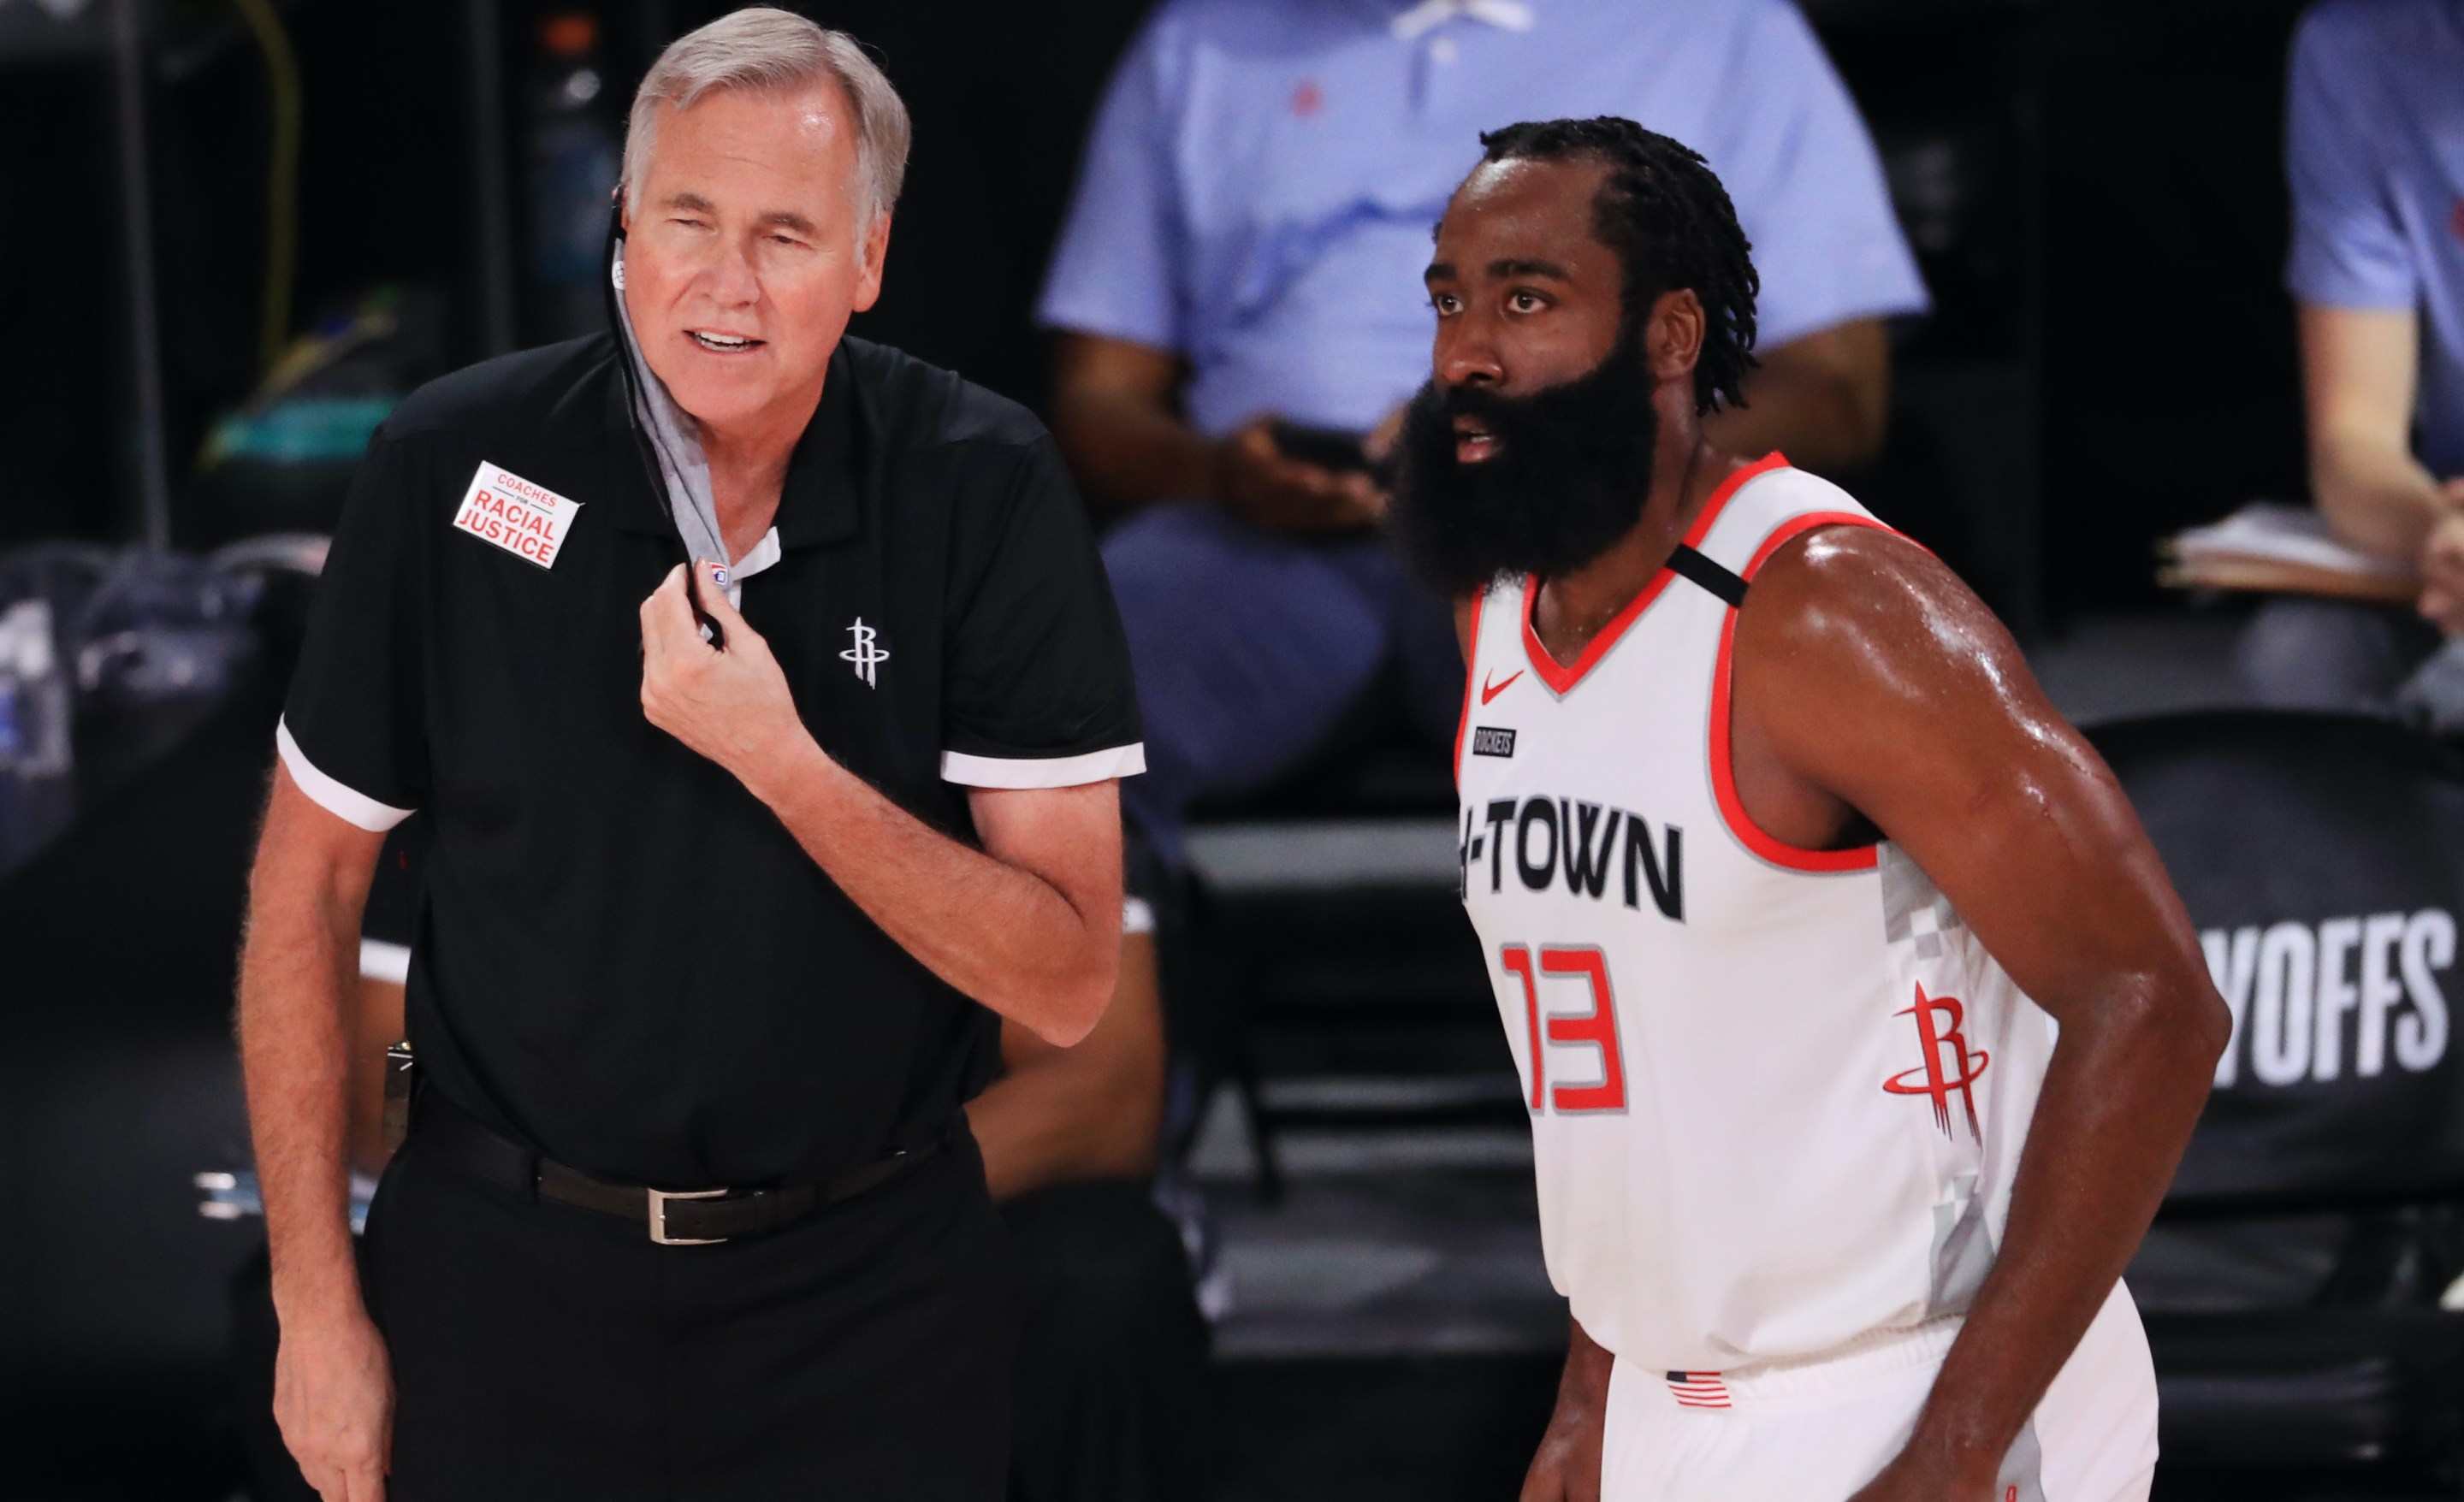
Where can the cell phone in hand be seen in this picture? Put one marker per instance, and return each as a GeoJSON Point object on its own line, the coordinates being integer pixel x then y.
{"type": "Point", "coordinates": [710, 631]}
{"type": "Point", "coordinates": [1326, 447]}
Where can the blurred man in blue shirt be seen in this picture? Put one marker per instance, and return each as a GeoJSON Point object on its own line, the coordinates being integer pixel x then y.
{"type": "Point", "coordinates": [1238, 288]}
{"type": "Point", "coordinates": [2374, 150]}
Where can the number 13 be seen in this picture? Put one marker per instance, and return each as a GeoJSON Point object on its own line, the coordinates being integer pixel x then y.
{"type": "Point", "coordinates": [1596, 1028]}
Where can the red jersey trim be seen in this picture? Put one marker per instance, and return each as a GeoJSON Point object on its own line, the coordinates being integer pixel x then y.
{"type": "Point", "coordinates": [1560, 678]}
{"type": "Point", "coordinates": [1471, 667]}
{"type": "Point", "coordinates": [1723, 778]}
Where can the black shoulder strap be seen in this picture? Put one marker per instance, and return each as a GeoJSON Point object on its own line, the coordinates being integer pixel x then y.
{"type": "Point", "coordinates": [1694, 568]}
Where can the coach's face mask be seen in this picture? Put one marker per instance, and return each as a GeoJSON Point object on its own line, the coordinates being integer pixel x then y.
{"type": "Point", "coordinates": [1570, 469]}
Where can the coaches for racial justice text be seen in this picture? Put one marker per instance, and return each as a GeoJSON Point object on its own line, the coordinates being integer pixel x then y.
{"type": "Point", "coordinates": [715, 928]}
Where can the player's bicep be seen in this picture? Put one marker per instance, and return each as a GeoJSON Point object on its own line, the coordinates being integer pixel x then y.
{"type": "Point", "coordinates": [1896, 692]}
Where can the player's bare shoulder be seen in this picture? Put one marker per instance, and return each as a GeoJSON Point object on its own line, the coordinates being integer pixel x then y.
{"type": "Point", "coordinates": [1866, 673]}
{"type": "Point", "coordinates": [1847, 616]}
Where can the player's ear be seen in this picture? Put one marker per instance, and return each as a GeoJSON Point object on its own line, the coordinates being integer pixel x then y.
{"type": "Point", "coordinates": [1672, 336]}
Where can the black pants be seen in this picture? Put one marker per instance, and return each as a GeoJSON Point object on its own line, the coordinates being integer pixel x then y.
{"type": "Point", "coordinates": [541, 1350]}
{"type": "Point", "coordinates": [1112, 1372]}
{"type": "Point", "coordinates": [1111, 1377]}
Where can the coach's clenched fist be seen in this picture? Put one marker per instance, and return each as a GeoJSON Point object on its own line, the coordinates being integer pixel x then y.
{"type": "Point", "coordinates": [728, 702]}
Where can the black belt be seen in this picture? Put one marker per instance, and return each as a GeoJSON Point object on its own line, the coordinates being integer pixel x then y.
{"type": "Point", "coordinates": [675, 1218]}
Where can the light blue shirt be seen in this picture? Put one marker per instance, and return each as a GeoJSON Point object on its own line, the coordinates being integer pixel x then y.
{"type": "Point", "coordinates": [1258, 190]}
{"type": "Point", "coordinates": [2374, 147]}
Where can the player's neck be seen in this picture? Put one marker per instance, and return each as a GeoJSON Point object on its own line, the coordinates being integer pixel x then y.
{"type": "Point", "coordinates": [1576, 606]}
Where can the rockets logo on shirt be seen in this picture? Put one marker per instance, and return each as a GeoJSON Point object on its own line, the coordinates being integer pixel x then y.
{"type": "Point", "coordinates": [529, 521]}
{"type": "Point", "coordinates": [1941, 1024]}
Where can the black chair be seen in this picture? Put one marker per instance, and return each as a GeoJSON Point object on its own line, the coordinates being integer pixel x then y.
{"type": "Point", "coordinates": [2292, 1284]}
{"type": "Point", "coordinates": [1328, 972]}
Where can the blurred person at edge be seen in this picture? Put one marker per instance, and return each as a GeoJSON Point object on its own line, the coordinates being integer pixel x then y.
{"type": "Point", "coordinates": [722, 916]}
{"type": "Point", "coordinates": [1245, 245]}
{"type": "Point", "coordinates": [1107, 1391]}
{"type": "Point", "coordinates": [2374, 154]}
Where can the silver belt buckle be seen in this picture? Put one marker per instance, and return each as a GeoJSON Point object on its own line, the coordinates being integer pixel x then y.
{"type": "Point", "coordinates": [659, 1216]}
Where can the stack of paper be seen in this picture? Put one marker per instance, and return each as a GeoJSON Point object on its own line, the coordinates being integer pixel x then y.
{"type": "Point", "coordinates": [2283, 549]}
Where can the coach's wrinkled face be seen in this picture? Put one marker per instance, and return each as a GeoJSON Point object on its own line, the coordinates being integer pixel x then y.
{"type": "Point", "coordinates": [1530, 449]}
{"type": "Point", "coordinates": [748, 249]}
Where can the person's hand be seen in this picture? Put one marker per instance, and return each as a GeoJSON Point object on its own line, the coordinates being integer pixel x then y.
{"type": "Point", "coordinates": [2442, 564]}
{"type": "Point", "coordinates": [333, 1399]}
{"type": "Point", "coordinates": [732, 705]}
{"type": "Point", "coordinates": [1911, 1478]}
{"type": "Point", "coordinates": [1566, 1468]}
{"type": "Point", "coordinates": [1379, 444]}
{"type": "Point", "coordinates": [1271, 490]}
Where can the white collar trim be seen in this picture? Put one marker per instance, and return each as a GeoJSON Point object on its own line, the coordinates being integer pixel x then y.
{"type": "Point", "coordinates": [1506, 15]}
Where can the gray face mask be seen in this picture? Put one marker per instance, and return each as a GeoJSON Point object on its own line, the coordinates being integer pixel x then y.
{"type": "Point", "coordinates": [682, 466]}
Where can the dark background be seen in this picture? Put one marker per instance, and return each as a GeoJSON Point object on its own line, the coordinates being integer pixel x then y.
{"type": "Point", "coordinates": [2094, 186]}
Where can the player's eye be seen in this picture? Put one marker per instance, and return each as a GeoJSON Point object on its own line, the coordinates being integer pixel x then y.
{"type": "Point", "coordinates": [1444, 303]}
{"type": "Point", "coordinates": [1525, 302]}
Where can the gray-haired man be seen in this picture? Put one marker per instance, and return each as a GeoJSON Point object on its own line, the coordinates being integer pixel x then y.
{"type": "Point", "coordinates": [768, 705]}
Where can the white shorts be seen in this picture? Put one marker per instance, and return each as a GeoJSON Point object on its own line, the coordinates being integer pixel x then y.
{"type": "Point", "coordinates": [1815, 1432]}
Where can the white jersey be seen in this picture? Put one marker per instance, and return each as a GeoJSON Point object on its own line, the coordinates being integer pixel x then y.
{"type": "Point", "coordinates": [1777, 1095]}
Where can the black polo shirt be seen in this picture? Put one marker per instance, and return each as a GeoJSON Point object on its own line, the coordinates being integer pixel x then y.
{"type": "Point", "coordinates": [620, 955]}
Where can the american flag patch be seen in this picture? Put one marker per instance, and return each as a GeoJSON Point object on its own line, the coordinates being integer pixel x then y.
{"type": "Point", "coordinates": [1698, 1389]}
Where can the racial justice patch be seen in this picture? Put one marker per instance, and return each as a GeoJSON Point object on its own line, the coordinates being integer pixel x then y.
{"type": "Point", "coordinates": [529, 521]}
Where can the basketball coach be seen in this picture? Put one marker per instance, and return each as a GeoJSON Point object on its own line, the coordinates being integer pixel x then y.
{"type": "Point", "coordinates": [767, 700]}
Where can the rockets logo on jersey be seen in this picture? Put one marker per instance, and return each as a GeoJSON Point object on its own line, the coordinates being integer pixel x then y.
{"type": "Point", "coordinates": [1589, 847]}
{"type": "Point", "coordinates": [1941, 1021]}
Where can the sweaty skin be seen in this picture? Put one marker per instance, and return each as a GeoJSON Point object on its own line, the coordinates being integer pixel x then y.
{"type": "Point", "coordinates": [1874, 695]}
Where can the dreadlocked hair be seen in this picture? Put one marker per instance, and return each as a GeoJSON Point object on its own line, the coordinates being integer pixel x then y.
{"type": "Point", "coordinates": [1672, 227]}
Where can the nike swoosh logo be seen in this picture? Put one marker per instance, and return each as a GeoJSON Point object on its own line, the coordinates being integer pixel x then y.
{"type": "Point", "coordinates": [1488, 691]}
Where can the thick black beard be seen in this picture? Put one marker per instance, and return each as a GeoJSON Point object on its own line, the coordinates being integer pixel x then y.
{"type": "Point", "coordinates": [1572, 468]}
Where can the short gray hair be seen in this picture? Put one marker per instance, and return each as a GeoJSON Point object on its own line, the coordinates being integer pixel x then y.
{"type": "Point", "coordinates": [774, 51]}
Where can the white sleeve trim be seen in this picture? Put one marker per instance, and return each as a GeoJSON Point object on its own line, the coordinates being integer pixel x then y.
{"type": "Point", "coordinates": [1044, 771]}
{"type": "Point", "coordinates": [345, 803]}
{"type": "Point", "coordinates": [380, 961]}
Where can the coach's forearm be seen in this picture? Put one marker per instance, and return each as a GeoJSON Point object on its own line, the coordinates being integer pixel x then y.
{"type": "Point", "coordinates": [2123, 1089]}
{"type": "Point", "coordinates": [1001, 934]}
{"type": "Point", "coordinates": [297, 964]}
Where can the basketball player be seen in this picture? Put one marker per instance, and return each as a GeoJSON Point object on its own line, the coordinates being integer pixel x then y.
{"type": "Point", "coordinates": [1785, 868]}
